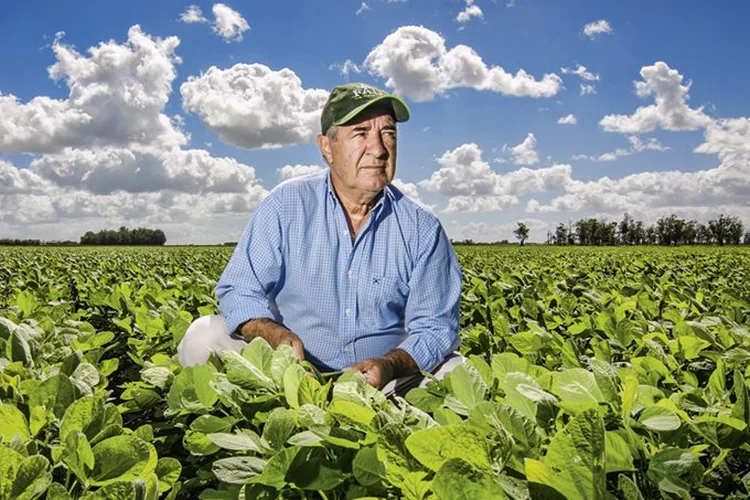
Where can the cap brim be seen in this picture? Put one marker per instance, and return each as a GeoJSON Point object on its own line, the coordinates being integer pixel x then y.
{"type": "Point", "coordinates": [400, 109]}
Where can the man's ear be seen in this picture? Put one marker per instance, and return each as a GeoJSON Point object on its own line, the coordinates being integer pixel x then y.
{"type": "Point", "coordinates": [325, 148]}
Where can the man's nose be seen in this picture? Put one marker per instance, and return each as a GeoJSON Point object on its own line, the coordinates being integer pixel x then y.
{"type": "Point", "coordinates": [377, 147]}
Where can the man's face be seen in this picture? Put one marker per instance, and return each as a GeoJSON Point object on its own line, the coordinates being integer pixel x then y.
{"type": "Point", "coordinates": [362, 156]}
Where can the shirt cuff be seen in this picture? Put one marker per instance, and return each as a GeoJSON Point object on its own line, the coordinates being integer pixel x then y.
{"type": "Point", "coordinates": [243, 312]}
{"type": "Point", "coordinates": [425, 352]}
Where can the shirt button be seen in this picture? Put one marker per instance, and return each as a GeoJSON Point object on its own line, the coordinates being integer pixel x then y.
{"type": "Point", "coordinates": [347, 349]}
{"type": "Point", "coordinates": [350, 273]}
{"type": "Point", "coordinates": [348, 312]}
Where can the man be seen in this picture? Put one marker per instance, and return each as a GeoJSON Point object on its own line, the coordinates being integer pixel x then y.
{"type": "Point", "coordinates": [341, 265]}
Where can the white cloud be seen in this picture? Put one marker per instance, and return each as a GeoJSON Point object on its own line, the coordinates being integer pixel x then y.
{"type": "Point", "coordinates": [650, 144]}
{"type": "Point", "coordinates": [290, 171]}
{"type": "Point", "coordinates": [362, 8]}
{"type": "Point", "coordinates": [728, 138]}
{"type": "Point", "coordinates": [581, 72]}
{"type": "Point", "coordinates": [474, 187]}
{"type": "Point", "coordinates": [596, 28]}
{"type": "Point", "coordinates": [193, 14]}
{"type": "Point", "coordinates": [525, 153]}
{"type": "Point", "coordinates": [416, 63]}
{"type": "Point", "coordinates": [228, 23]}
{"type": "Point", "coordinates": [568, 120]}
{"type": "Point", "coordinates": [670, 111]}
{"type": "Point", "coordinates": [116, 96]}
{"type": "Point", "coordinates": [252, 106]}
{"type": "Point", "coordinates": [107, 170]}
{"type": "Point", "coordinates": [471, 10]}
{"type": "Point", "coordinates": [345, 68]}
{"type": "Point", "coordinates": [587, 89]}
{"type": "Point", "coordinates": [637, 145]}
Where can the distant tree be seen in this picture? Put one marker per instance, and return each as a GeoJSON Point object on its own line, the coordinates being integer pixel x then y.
{"type": "Point", "coordinates": [746, 239]}
{"type": "Point", "coordinates": [561, 234]}
{"type": "Point", "coordinates": [726, 230]}
{"type": "Point", "coordinates": [703, 235]}
{"type": "Point", "coordinates": [521, 232]}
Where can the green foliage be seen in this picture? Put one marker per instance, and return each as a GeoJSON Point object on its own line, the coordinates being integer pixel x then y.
{"type": "Point", "coordinates": [593, 374]}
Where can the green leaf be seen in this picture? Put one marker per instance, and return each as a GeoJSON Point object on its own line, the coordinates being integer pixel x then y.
{"type": "Point", "coordinates": [197, 443]}
{"type": "Point", "coordinates": [168, 471]}
{"type": "Point", "coordinates": [293, 375]}
{"type": "Point", "coordinates": [243, 372]}
{"type": "Point", "coordinates": [32, 479]}
{"type": "Point", "coordinates": [56, 393]}
{"type": "Point", "coordinates": [435, 445]}
{"type": "Point", "coordinates": [577, 385]}
{"type": "Point", "coordinates": [57, 491]}
{"type": "Point", "coordinates": [574, 464]}
{"type": "Point", "coordinates": [366, 467]}
{"type": "Point", "coordinates": [245, 440]}
{"type": "Point", "coordinates": [628, 488]}
{"type": "Point", "coordinates": [468, 385]}
{"type": "Point", "coordinates": [312, 469]}
{"type": "Point", "coordinates": [459, 480]}
{"type": "Point", "coordinates": [211, 423]}
{"type": "Point", "coordinates": [77, 454]}
{"type": "Point", "coordinates": [122, 458]}
{"type": "Point", "coordinates": [275, 471]}
{"type": "Point", "coordinates": [351, 413]}
{"type": "Point", "coordinates": [675, 471]}
{"type": "Point", "coordinates": [279, 426]}
{"type": "Point", "coordinates": [14, 424]}
{"type": "Point", "coordinates": [660, 419]}
{"type": "Point", "coordinates": [619, 456]}
{"type": "Point", "coordinates": [114, 491]}
{"type": "Point", "coordinates": [238, 470]}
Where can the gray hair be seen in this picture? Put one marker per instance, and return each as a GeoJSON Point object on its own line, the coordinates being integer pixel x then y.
{"type": "Point", "coordinates": [332, 132]}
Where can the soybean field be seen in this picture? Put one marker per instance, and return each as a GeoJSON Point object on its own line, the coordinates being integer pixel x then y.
{"type": "Point", "coordinates": [592, 373]}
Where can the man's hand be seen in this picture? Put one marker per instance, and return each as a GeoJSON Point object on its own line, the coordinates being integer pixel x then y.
{"type": "Point", "coordinates": [380, 371]}
{"type": "Point", "coordinates": [273, 333]}
{"type": "Point", "coordinates": [377, 371]}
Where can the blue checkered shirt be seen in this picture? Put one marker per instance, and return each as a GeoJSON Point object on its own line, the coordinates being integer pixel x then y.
{"type": "Point", "coordinates": [397, 286]}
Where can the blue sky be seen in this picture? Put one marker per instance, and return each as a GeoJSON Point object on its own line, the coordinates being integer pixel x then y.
{"type": "Point", "coordinates": [187, 125]}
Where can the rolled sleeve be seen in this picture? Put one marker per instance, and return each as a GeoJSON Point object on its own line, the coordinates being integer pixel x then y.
{"type": "Point", "coordinates": [432, 308]}
{"type": "Point", "coordinates": [255, 269]}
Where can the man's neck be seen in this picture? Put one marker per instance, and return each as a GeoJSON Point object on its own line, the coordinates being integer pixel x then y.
{"type": "Point", "coordinates": [356, 209]}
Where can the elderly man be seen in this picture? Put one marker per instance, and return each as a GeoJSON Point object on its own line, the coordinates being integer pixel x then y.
{"type": "Point", "coordinates": [341, 265]}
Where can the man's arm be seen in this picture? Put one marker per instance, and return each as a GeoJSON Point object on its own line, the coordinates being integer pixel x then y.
{"type": "Point", "coordinates": [253, 274]}
{"type": "Point", "coordinates": [431, 315]}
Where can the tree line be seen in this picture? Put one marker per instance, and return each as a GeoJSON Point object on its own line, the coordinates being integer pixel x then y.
{"type": "Point", "coordinates": [668, 231]}
{"type": "Point", "coordinates": [125, 236]}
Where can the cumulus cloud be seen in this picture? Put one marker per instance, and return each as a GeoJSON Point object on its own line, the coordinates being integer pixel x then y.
{"type": "Point", "coordinates": [116, 96]}
{"type": "Point", "coordinates": [670, 110]}
{"type": "Point", "coordinates": [252, 106]}
{"type": "Point", "coordinates": [636, 146]}
{"type": "Point", "coordinates": [228, 23]}
{"type": "Point", "coordinates": [587, 89]}
{"type": "Point", "coordinates": [193, 14]}
{"type": "Point", "coordinates": [596, 28]}
{"type": "Point", "coordinates": [107, 155]}
{"type": "Point", "coordinates": [471, 10]}
{"type": "Point", "coordinates": [107, 170]}
{"type": "Point", "coordinates": [568, 120]}
{"type": "Point", "coordinates": [474, 187]}
{"type": "Point", "coordinates": [345, 68]}
{"type": "Point", "coordinates": [581, 72]}
{"type": "Point", "coordinates": [728, 138]}
{"type": "Point", "coordinates": [416, 63]}
{"type": "Point", "coordinates": [525, 153]}
{"type": "Point", "coordinates": [291, 171]}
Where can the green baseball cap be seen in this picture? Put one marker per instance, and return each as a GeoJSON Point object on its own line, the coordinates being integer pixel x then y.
{"type": "Point", "coordinates": [347, 101]}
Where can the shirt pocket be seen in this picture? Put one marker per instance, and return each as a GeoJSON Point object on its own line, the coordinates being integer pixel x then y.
{"type": "Point", "coordinates": [383, 301]}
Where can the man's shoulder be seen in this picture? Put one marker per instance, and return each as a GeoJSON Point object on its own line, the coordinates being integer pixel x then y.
{"type": "Point", "coordinates": [413, 208]}
{"type": "Point", "coordinates": [300, 185]}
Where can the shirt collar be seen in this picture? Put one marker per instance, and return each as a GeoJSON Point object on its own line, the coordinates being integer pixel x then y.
{"type": "Point", "coordinates": [387, 197]}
